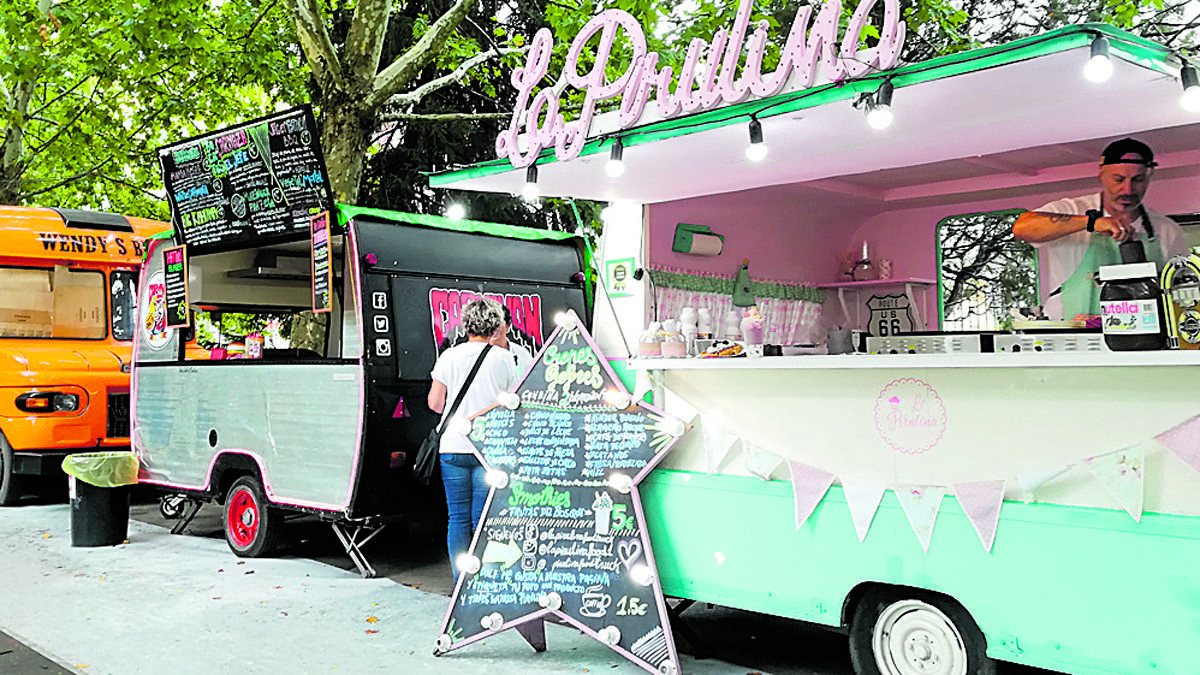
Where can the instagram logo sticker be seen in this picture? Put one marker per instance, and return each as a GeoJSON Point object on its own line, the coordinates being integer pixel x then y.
{"type": "Point", "coordinates": [910, 416]}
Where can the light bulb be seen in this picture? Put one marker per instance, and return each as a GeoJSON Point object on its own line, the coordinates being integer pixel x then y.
{"type": "Point", "coordinates": [880, 116]}
{"type": "Point", "coordinates": [496, 478]}
{"type": "Point", "coordinates": [756, 152]}
{"type": "Point", "coordinates": [456, 211]}
{"type": "Point", "coordinates": [1099, 67]}
{"type": "Point", "coordinates": [467, 563]}
{"type": "Point", "coordinates": [1190, 100]}
{"type": "Point", "coordinates": [614, 168]}
{"type": "Point", "coordinates": [530, 191]}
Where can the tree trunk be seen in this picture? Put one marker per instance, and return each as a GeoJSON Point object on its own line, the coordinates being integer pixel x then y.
{"type": "Point", "coordinates": [346, 128]}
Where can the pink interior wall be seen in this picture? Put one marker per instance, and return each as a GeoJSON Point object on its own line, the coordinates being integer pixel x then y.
{"type": "Point", "coordinates": [793, 239]}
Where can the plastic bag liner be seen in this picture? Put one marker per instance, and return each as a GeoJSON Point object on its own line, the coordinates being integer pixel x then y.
{"type": "Point", "coordinates": [103, 469]}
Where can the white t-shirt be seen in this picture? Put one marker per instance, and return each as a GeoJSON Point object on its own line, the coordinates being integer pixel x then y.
{"type": "Point", "coordinates": [496, 374]}
{"type": "Point", "coordinates": [1063, 255]}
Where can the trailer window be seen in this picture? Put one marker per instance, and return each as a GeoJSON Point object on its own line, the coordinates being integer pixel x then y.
{"type": "Point", "coordinates": [983, 272]}
{"type": "Point", "coordinates": [52, 303]}
{"type": "Point", "coordinates": [284, 335]}
{"type": "Point", "coordinates": [123, 287]}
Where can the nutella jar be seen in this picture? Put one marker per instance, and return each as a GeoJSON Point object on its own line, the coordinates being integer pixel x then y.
{"type": "Point", "coordinates": [1131, 308]}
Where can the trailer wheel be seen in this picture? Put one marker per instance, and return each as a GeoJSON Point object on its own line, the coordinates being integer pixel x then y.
{"type": "Point", "coordinates": [916, 634]}
{"type": "Point", "coordinates": [10, 483]}
{"type": "Point", "coordinates": [252, 527]}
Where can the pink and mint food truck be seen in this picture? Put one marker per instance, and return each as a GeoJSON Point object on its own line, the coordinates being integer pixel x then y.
{"type": "Point", "coordinates": [950, 495]}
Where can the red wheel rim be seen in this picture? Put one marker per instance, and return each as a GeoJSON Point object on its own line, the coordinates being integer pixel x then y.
{"type": "Point", "coordinates": [242, 516]}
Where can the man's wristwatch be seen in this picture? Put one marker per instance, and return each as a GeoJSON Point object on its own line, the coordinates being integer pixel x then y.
{"type": "Point", "coordinates": [1092, 215]}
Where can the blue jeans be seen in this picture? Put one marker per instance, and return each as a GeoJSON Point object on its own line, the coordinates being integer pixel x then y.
{"type": "Point", "coordinates": [466, 493]}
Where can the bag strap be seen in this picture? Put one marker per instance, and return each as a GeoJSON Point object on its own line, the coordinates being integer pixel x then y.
{"type": "Point", "coordinates": [466, 385]}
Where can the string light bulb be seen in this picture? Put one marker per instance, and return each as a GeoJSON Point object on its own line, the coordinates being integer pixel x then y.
{"type": "Point", "coordinates": [1099, 67]}
{"type": "Point", "coordinates": [530, 191]}
{"type": "Point", "coordinates": [879, 108]}
{"type": "Point", "coordinates": [1190, 78]}
{"type": "Point", "coordinates": [615, 166]}
{"type": "Point", "coordinates": [456, 211]}
{"type": "Point", "coordinates": [757, 150]}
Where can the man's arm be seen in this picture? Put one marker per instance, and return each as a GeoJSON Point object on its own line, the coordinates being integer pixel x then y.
{"type": "Point", "coordinates": [437, 397]}
{"type": "Point", "coordinates": [1038, 227]}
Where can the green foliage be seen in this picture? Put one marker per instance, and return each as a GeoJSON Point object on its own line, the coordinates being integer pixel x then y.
{"type": "Point", "coordinates": [110, 80]}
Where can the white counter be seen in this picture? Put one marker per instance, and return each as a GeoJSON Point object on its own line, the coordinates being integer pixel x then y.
{"type": "Point", "coordinates": [901, 361]}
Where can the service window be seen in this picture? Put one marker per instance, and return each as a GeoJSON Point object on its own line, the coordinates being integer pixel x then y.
{"type": "Point", "coordinates": [52, 303]}
{"type": "Point", "coordinates": [284, 335]}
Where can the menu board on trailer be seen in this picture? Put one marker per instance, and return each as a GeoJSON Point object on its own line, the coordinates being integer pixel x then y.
{"type": "Point", "coordinates": [563, 532]}
{"type": "Point", "coordinates": [175, 286]}
{"type": "Point", "coordinates": [322, 270]}
{"type": "Point", "coordinates": [259, 182]}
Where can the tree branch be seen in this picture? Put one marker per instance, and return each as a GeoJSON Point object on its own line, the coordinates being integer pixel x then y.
{"type": "Point", "coordinates": [66, 181]}
{"type": "Point", "coordinates": [411, 98]}
{"type": "Point", "coordinates": [364, 41]}
{"type": "Point", "coordinates": [440, 117]}
{"type": "Point", "coordinates": [402, 71]}
{"type": "Point", "coordinates": [314, 40]}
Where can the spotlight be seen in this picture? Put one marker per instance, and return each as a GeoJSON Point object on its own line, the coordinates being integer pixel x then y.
{"type": "Point", "coordinates": [757, 150]}
{"type": "Point", "coordinates": [879, 108]}
{"type": "Point", "coordinates": [1191, 88]}
{"type": "Point", "coordinates": [1099, 67]}
{"type": "Point", "coordinates": [530, 192]}
{"type": "Point", "coordinates": [456, 211]}
{"type": "Point", "coordinates": [615, 166]}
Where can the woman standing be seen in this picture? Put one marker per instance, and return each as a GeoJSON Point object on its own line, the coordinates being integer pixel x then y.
{"type": "Point", "coordinates": [462, 474]}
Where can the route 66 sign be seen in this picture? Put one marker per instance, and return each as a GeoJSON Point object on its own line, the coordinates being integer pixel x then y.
{"type": "Point", "coordinates": [890, 315]}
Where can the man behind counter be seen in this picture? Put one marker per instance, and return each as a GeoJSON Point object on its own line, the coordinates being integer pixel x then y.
{"type": "Point", "coordinates": [1080, 234]}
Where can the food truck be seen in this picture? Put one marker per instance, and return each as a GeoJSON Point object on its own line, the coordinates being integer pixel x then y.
{"type": "Point", "coordinates": [269, 407]}
{"type": "Point", "coordinates": [947, 496]}
{"type": "Point", "coordinates": [67, 281]}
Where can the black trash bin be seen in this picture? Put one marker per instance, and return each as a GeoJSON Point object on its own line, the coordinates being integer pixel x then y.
{"type": "Point", "coordinates": [100, 486]}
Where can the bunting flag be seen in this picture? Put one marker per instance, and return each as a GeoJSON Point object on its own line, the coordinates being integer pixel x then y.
{"type": "Point", "coordinates": [1122, 472]}
{"type": "Point", "coordinates": [809, 486]}
{"type": "Point", "coordinates": [717, 441]}
{"type": "Point", "coordinates": [641, 384]}
{"type": "Point", "coordinates": [401, 409]}
{"type": "Point", "coordinates": [863, 498]}
{"type": "Point", "coordinates": [1184, 441]}
{"type": "Point", "coordinates": [760, 462]}
{"type": "Point", "coordinates": [981, 502]}
{"type": "Point", "coordinates": [921, 504]}
{"type": "Point", "coordinates": [1035, 479]}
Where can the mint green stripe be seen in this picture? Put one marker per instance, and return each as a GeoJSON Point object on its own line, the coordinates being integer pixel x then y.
{"type": "Point", "coordinates": [1137, 50]}
{"type": "Point", "coordinates": [1081, 590]}
{"type": "Point", "coordinates": [346, 213]}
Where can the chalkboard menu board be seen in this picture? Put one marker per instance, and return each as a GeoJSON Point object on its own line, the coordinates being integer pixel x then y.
{"type": "Point", "coordinates": [256, 183]}
{"type": "Point", "coordinates": [563, 533]}
{"type": "Point", "coordinates": [175, 286]}
{"type": "Point", "coordinates": [322, 271]}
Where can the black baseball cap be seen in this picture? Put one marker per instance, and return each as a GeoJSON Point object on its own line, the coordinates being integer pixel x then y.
{"type": "Point", "coordinates": [1128, 151]}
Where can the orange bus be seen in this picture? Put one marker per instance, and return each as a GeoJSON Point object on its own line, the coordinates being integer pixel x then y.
{"type": "Point", "coordinates": [68, 284]}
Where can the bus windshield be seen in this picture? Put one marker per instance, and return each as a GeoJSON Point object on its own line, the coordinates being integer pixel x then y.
{"type": "Point", "coordinates": [56, 302]}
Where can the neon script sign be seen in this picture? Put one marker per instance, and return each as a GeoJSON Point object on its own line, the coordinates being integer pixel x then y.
{"type": "Point", "coordinates": [700, 87]}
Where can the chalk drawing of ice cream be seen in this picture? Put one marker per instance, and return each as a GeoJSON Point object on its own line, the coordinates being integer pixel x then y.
{"type": "Point", "coordinates": [602, 506]}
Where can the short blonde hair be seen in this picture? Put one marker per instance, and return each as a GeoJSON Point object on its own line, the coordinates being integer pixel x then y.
{"type": "Point", "coordinates": [481, 318]}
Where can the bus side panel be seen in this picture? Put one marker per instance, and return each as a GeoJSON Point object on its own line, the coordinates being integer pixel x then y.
{"type": "Point", "coordinates": [300, 422]}
{"type": "Point", "coordinates": [1081, 590]}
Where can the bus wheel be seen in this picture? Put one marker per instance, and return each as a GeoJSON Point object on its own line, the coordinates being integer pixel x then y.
{"type": "Point", "coordinates": [916, 634]}
{"type": "Point", "coordinates": [10, 483]}
{"type": "Point", "coordinates": [252, 528]}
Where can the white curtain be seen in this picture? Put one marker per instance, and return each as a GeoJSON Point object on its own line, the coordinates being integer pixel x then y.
{"type": "Point", "coordinates": [785, 322]}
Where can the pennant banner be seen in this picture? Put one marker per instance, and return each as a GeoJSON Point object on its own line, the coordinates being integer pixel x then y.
{"type": "Point", "coordinates": [1184, 441]}
{"type": "Point", "coordinates": [1122, 472]}
{"type": "Point", "coordinates": [981, 502]}
{"type": "Point", "coordinates": [760, 462]}
{"type": "Point", "coordinates": [717, 441]}
{"type": "Point", "coordinates": [1035, 479]}
{"type": "Point", "coordinates": [863, 498]}
{"type": "Point", "coordinates": [921, 504]}
{"type": "Point", "coordinates": [809, 486]}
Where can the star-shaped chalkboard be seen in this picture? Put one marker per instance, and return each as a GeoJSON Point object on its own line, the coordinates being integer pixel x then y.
{"type": "Point", "coordinates": [563, 534]}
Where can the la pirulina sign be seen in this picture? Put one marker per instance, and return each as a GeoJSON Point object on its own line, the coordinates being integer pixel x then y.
{"type": "Point", "coordinates": [812, 49]}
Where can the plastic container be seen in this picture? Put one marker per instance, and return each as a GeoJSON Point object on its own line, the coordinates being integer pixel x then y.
{"type": "Point", "coordinates": [1131, 307]}
{"type": "Point", "coordinates": [99, 484]}
{"type": "Point", "coordinates": [650, 341]}
{"type": "Point", "coordinates": [674, 344]}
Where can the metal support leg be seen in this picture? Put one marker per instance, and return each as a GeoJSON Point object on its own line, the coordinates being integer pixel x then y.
{"type": "Point", "coordinates": [349, 536]}
{"type": "Point", "coordinates": [190, 509]}
{"type": "Point", "coordinates": [680, 627]}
